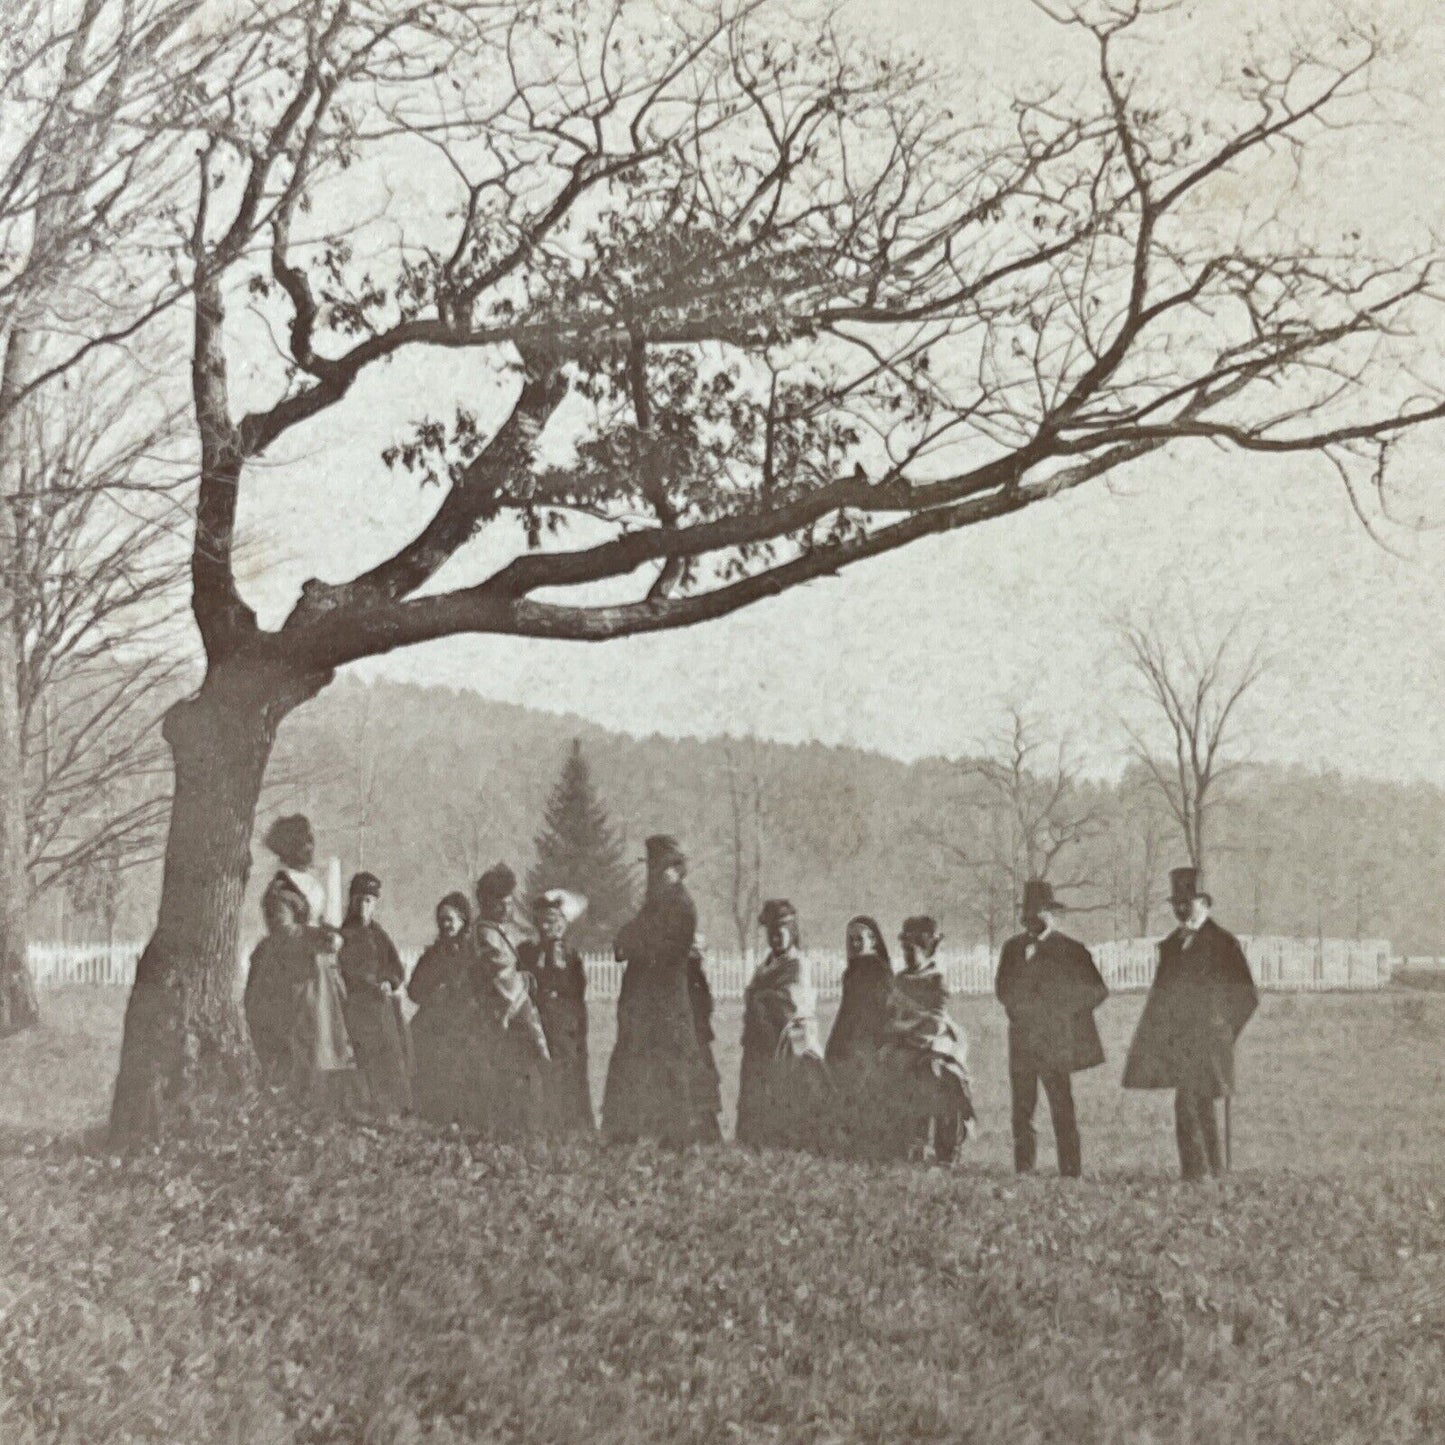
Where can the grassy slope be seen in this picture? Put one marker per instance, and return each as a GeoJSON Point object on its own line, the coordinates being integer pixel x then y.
{"type": "Point", "coordinates": [389, 1286]}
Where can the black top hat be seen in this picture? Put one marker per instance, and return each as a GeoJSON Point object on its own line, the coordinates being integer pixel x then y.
{"type": "Point", "coordinates": [1039, 898]}
{"type": "Point", "coordinates": [365, 885]}
{"type": "Point", "coordinates": [496, 883]}
{"type": "Point", "coordinates": [663, 851]}
{"type": "Point", "coordinates": [1185, 885]}
{"type": "Point", "coordinates": [777, 910]}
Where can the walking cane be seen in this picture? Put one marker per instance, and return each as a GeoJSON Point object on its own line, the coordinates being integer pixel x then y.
{"type": "Point", "coordinates": [1228, 1160]}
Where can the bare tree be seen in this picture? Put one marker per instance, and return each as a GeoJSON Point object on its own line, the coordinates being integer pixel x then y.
{"type": "Point", "coordinates": [94, 94]}
{"type": "Point", "coordinates": [1139, 826]}
{"type": "Point", "coordinates": [99, 599]}
{"type": "Point", "coordinates": [799, 311]}
{"type": "Point", "coordinates": [748, 814]}
{"type": "Point", "coordinates": [1031, 815]}
{"type": "Point", "coordinates": [1194, 688]}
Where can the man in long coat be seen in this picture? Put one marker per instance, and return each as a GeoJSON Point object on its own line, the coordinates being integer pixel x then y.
{"type": "Point", "coordinates": [1202, 996]}
{"type": "Point", "coordinates": [1049, 988]}
{"type": "Point", "coordinates": [659, 1083]}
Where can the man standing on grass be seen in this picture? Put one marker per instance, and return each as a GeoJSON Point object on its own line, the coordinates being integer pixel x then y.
{"type": "Point", "coordinates": [1202, 996]}
{"type": "Point", "coordinates": [1049, 988]}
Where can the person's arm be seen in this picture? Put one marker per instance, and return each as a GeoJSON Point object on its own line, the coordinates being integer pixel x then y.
{"type": "Point", "coordinates": [1241, 995]}
{"type": "Point", "coordinates": [393, 970]}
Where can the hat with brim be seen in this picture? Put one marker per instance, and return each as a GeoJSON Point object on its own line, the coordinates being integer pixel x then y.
{"type": "Point", "coordinates": [365, 885]}
{"type": "Point", "coordinates": [559, 900]}
{"type": "Point", "coordinates": [663, 851]}
{"type": "Point", "coordinates": [497, 883]}
{"type": "Point", "coordinates": [1039, 898]}
{"type": "Point", "coordinates": [775, 911]}
{"type": "Point", "coordinates": [1185, 885]}
{"type": "Point", "coordinates": [920, 929]}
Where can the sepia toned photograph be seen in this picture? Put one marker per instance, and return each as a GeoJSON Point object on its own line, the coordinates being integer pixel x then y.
{"type": "Point", "coordinates": [722, 721]}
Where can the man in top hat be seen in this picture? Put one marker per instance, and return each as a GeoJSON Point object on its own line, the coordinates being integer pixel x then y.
{"type": "Point", "coordinates": [1201, 998]}
{"type": "Point", "coordinates": [1049, 988]}
{"type": "Point", "coordinates": [661, 1080]}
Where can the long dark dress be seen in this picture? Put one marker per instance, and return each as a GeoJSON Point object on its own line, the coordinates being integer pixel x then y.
{"type": "Point", "coordinates": [270, 1003]}
{"type": "Point", "coordinates": [783, 1088]}
{"type": "Point", "coordinates": [865, 1120]}
{"type": "Point", "coordinates": [444, 1031]}
{"type": "Point", "coordinates": [369, 961]}
{"type": "Point", "coordinates": [560, 993]}
{"type": "Point", "coordinates": [511, 1049]}
{"type": "Point", "coordinates": [861, 1024]}
{"type": "Point", "coordinates": [660, 1083]}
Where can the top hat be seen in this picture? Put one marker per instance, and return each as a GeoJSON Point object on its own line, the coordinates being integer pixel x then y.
{"type": "Point", "coordinates": [365, 885]}
{"type": "Point", "coordinates": [777, 910]}
{"type": "Point", "coordinates": [1039, 898]}
{"type": "Point", "coordinates": [496, 883]}
{"type": "Point", "coordinates": [663, 851]}
{"type": "Point", "coordinates": [570, 905]}
{"type": "Point", "coordinates": [1185, 885]}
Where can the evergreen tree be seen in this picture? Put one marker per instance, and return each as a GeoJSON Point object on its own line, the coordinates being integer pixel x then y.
{"type": "Point", "coordinates": [577, 850]}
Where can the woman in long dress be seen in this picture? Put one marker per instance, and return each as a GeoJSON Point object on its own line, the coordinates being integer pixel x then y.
{"type": "Point", "coordinates": [445, 1027]}
{"type": "Point", "coordinates": [511, 1049]}
{"type": "Point", "coordinates": [783, 1088]}
{"type": "Point", "coordinates": [559, 989]}
{"type": "Point", "coordinates": [660, 1082]}
{"type": "Point", "coordinates": [374, 975]}
{"type": "Point", "coordinates": [859, 1032]}
{"type": "Point", "coordinates": [927, 1050]}
{"type": "Point", "coordinates": [273, 985]}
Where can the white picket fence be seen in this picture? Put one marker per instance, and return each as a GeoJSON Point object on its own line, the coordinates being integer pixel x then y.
{"type": "Point", "coordinates": [1283, 964]}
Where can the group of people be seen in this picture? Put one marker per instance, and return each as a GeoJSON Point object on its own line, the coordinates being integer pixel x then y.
{"type": "Point", "coordinates": [498, 1043]}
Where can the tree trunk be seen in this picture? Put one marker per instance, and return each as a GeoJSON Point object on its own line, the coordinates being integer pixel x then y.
{"type": "Point", "coordinates": [184, 1039]}
{"type": "Point", "coordinates": [18, 1007]}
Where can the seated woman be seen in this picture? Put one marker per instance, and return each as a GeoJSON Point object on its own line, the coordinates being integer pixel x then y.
{"type": "Point", "coordinates": [559, 989]}
{"type": "Point", "coordinates": [373, 973]}
{"type": "Point", "coordinates": [859, 1031]}
{"type": "Point", "coordinates": [444, 1030]}
{"type": "Point", "coordinates": [926, 1049]}
{"type": "Point", "coordinates": [783, 1091]}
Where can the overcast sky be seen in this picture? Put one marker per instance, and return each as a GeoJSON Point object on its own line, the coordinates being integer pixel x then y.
{"type": "Point", "coordinates": [920, 652]}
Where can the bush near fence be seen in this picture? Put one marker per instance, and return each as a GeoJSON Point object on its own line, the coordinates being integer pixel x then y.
{"type": "Point", "coordinates": [1279, 964]}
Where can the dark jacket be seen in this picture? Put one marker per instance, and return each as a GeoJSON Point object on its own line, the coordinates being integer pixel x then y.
{"type": "Point", "coordinates": [559, 990]}
{"type": "Point", "coordinates": [444, 1032]}
{"type": "Point", "coordinates": [1201, 998]}
{"type": "Point", "coordinates": [369, 962]}
{"type": "Point", "coordinates": [861, 1024]}
{"type": "Point", "coordinates": [661, 1082]}
{"type": "Point", "coordinates": [1050, 992]}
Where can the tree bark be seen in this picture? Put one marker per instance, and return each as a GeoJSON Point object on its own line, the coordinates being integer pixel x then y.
{"type": "Point", "coordinates": [184, 1040]}
{"type": "Point", "coordinates": [18, 1006]}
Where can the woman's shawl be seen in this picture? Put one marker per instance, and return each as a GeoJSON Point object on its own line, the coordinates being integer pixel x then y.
{"type": "Point", "coordinates": [781, 1008]}
{"type": "Point", "coordinates": [919, 1023]}
{"type": "Point", "coordinates": [503, 986]}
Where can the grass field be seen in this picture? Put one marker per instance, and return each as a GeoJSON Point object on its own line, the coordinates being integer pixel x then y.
{"type": "Point", "coordinates": [269, 1283]}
